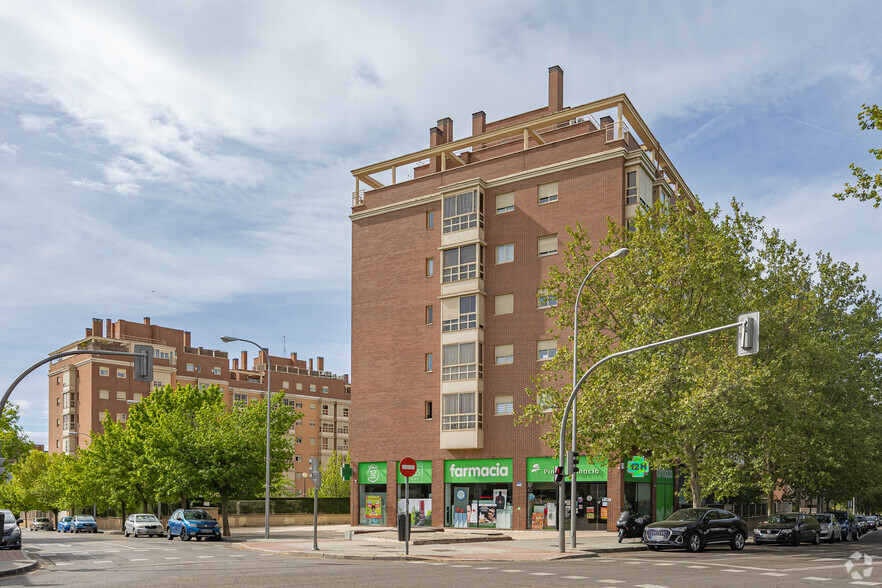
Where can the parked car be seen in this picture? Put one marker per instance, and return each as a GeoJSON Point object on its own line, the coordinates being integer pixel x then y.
{"type": "Point", "coordinates": [831, 530]}
{"type": "Point", "coordinates": [192, 523]}
{"type": "Point", "coordinates": [64, 524]}
{"type": "Point", "coordinates": [850, 530]}
{"type": "Point", "coordinates": [872, 522]}
{"type": "Point", "coordinates": [696, 528]}
{"type": "Point", "coordinates": [143, 524]}
{"type": "Point", "coordinates": [862, 523]}
{"type": "Point", "coordinates": [84, 524]}
{"type": "Point", "coordinates": [11, 531]}
{"type": "Point", "coordinates": [41, 524]}
{"type": "Point", "coordinates": [791, 527]}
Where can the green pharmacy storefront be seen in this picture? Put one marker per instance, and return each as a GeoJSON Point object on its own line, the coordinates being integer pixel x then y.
{"type": "Point", "coordinates": [478, 493]}
{"type": "Point", "coordinates": [591, 503]}
{"type": "Point", "coordinates": [638, 485]}
{"type": "Point", "coordinates": [420, 493]}
{"type": "Point", "coordinates": [372, 493]}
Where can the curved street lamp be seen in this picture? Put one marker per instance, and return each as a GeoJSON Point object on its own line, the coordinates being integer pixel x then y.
{"type": "Point", "coordinates": [562, 491]}
{"type": "Point", "coordinates": [266, 505]}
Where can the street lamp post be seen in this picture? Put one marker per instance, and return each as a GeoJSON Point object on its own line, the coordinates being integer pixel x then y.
{"type": "Point", "coordinates": [266, 506]}
{"type": "Point", "coordinates": [562, 490]}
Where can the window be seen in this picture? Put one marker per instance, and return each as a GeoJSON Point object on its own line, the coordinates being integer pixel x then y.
{"type": "Point", "coordinates": [312, 440]}
{"type": "Point", "coordinates": [429, 358]}
{"type": "Point", "coordinates": [430, 311]}
{"type": "Point", "coordinates": [459, 411]}
{"type": "Point", "coordinates": [312, 423]}
{"type": "Point", "coordinates": [459, 313]}
{"type": "Point", "coordinates": [343, 444]}
{"type": "Point", "coordinates": [327, 427]}
{"type": "Point", "coordinates": [104, 394]}
{"type": "Point", "coordinates": [326, 444]}
{"type": "Point", "coordinates": [546, 349]}
{"type": "Point", "coordinates": [102, 416]}
{"type": "Point", "coordinates": [504, 304]}
{"type": "Point", "coordinates": [286, 385]}
{"type": "Point", "coordinates": [190, 367]}
{"type": "Point", "coordinates": [504, 202]}
{"type": "Point", "coordinates": [505, 253]}
{"type": "Point", "coordinates": [298, 458]}
{"type": "Point", "coordinates": [57, 379]}
{"type": "Point", "coordinates": [344, 411]}
{"type": "Point", "coordinates": [504, 405]}
{"type": "Point", "coordinates": [461, 361]}
{"type": "Point", "coordinates": [243, 398]}
{"type": "Point", "coordinates": [120, 417]}
{"type": "Point", "coordinates": [430, 267]}
{"type": "Point", "coordinates": [324, 389]}
{"type": "Point", "coordinates": [66, 400]}
{"type": "Point", "coordinates": [57, 422]}
{"type": "Point", "coordinates": [298, 439]}
{"type": "Point", "coordinates": [120, 395]}
{"type": "Point", "coordinates": [504, 354]}
{"type": "Point", "coordinates": [430, 219]}
{"type": "Point", "coordinates": [547, 193]}
{"type": "Point", "coordinates": [546, 298]}
{"type": "Point", "coordinates": [463, 211]}
{"type": "Point", "coordinates": [103, 371]}
{"type": "Point", "coordinates": [299, 385]}
{"type": "Point", "coordinates": [326, 409]}
{"type": "Point", "coordinates": [428, 410]}
{"type": "Point", "coordinates": [120, 373]}
{"type": "Point", "coordinates": [462, 263]}
{"type": "Point", "coordinates": [312, 406]}
{"type": "Point", "coordinates": [629, 224]}
{"type": "Point", "coordinates": [57, 443]}
{"type": "Point", "coordinates": [631, 189]}
{"type": "Point", "coordinates": [343, 430]}
{"type": "Point", "coordinates": [67, 445]}
{"type": "Point", "coordinates": [548, 245]}
{"type": "Point", "coordinates": [57, 401]}
{"type": "Point", "coordinates": [312, 387]}
{"type": "Point", "coordinates": [298, 405]}
{"type": "Point", "coordinates": [216, 371]}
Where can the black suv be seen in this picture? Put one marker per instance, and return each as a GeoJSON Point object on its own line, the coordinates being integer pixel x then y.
{"type": "Point", "coordinates": [696, 528]}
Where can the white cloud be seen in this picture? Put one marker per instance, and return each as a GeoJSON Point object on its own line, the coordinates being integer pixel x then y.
{"type": "Point", "coordinates": [33, 122]}
{"type": "Point", "coordinates": [8, 148]}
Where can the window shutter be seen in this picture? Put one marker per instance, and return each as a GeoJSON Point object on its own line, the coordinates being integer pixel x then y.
{"type": "Point", "coordinates": [504, 201]}
{"type": "Point", "coordinates": [547, 190]}
{"type": "Point", "coordinates": [504, 304]}
{"type": "Point", "coordinates": [548, 245]}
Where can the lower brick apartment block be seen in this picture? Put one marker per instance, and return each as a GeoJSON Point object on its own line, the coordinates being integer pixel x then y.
{"type": "Point", "coordinates": [449, 325]}
{"type": "Point", "coordinates": [83, 388]}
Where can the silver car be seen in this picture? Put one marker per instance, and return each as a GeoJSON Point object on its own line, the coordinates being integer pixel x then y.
{"type": "Point", "coordinates": [41, 524]}
{"type": "Point", "coordinates": [143, 524]}
{"type": "Point", "coordinates": [831, 530]}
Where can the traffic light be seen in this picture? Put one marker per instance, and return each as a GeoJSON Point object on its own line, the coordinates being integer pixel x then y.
{"type": "Point", "coordinates": [143, 363]}
{"type": "Point", "coordinates": [748, 334]}
{"type": "Point", "coordinates": [558, 474]}
{"type": "Point", "coordinates": [315, 472]}
{"type": "Point", "coordinates": [573, 462]}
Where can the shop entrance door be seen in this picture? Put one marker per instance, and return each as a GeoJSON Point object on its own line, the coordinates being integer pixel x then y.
{"type": "Point", "coordinates": [591, 506]}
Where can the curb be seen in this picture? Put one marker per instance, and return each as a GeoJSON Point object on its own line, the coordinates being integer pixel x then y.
{"type": "Point", "coordinates": [18, 570]}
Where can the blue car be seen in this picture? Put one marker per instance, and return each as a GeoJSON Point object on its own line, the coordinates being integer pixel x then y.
{"type": "Point", "coordinates": [850, 529]}
{"type": "Point", "coordinates": [84, 524]}
{"type": "Point", "coordinates": [65, 524]}
{"type": "Point", "coordinates": [192, 523]}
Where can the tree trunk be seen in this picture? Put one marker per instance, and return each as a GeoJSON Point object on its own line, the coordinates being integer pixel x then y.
{"type": "Point", "coordinates": [144, 505]}
{"type": "Point", "coordinates": [123, 521]}
{"type": "Point", "coordinates": [225, 514]}
{"type": "Point", "coordinates": [694, 476]}
{"type": "Point", "coordinates": [770, 504]}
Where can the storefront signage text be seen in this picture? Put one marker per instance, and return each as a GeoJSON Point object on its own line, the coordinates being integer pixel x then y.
{"type": "Point", "coordinates": [638, 467]}
{"type": "Point", "coordinates": [478, 470]}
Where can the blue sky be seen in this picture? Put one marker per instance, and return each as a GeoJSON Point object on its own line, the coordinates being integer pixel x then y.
{"type": "Point", "coordinates": [190, 161]}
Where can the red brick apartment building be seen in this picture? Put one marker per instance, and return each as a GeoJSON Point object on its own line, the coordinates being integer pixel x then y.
{"type": "Point", "coordinates": [83, 387]}
{"type": "Point", "coordinates": [448, 326]}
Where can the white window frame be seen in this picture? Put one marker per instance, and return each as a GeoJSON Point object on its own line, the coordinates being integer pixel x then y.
{"type": "Point", "coordinates": [547, 193]}
{"type": "Point", "coordinates": [461, 411]}
{"type": "Point", "coordinates": [545, 299]}
{"type": "Point", "coordinates": [546, 349]}
{"type": "Point", "coordinates": [505, 202]}
{"type": "Point", "coordinates": [504, 253]}
{"type": "Point", "coordinates": [453, 368]}
{"type": "Point", "coordinates": [462, 211]}
{"type": "Point", "coordinates": [103, 371]}
{"type": "Point", "coordinates": [504, 354]}
{"type": "Point", "coordinates": [544, 245]}
{"type": "Point", "coordinates": [631, 188]}
{"type": "Point", "coordinates": [466, 317]}
{"type": "Point", "coordinates": [504, 405]}
{"type": "Point", "coordinates": [454, 269]}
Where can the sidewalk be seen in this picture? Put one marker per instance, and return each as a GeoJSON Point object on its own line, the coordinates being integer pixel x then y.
{"type": "Point", "coordinates": [345, 542]}
{"type": "Point", "coordinates": [14, 562]}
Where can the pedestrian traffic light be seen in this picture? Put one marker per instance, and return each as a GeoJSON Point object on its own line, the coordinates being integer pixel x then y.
{"type": "Point", "coordinates": [573, 462]}
{"type": "Point", "coordinates": [558, 474]}
{"type": "Point", "coordinates": [143, 363]}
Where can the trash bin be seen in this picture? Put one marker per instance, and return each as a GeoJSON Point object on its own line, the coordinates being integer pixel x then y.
{"type": "Point", "coordinates": [403, 527]}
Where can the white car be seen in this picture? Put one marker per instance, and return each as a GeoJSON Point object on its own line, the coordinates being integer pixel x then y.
{"type": "Point", "coordinates": [143, 524]}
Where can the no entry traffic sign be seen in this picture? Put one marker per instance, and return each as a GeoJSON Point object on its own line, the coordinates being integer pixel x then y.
{"type": "Point", "coordinates": [407, 467]}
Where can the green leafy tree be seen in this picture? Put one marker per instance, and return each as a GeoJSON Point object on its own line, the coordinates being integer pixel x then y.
{"type": "Point", "coordinates": [31, 487]}
{"type": "Point", "coordinates": [867, 186]}
{"type": "Point", "coordinates": [13, 441]}
{"type": "Point", "coordinates": [333, 484]}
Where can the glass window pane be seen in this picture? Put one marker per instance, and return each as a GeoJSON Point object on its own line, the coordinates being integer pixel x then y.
{"type": "Point", "coordinates": [469, 254]}
{"type": "Point", "coordinates": [451, 257]}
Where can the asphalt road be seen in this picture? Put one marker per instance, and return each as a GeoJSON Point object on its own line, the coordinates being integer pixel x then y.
{"type": "Point", "coordinates": [113, 560]}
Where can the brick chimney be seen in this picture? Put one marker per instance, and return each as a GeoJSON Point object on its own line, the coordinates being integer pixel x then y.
{"type": "Point", "coordinates": [555, 88]}
{"type": "Point", "coordinates": [147, 320]}
{"type": "Point", "coordinates": [186, 338]}
{"type": "Point", "coordinates": [235, 363]}
{"type": "Point", "coordinates": [108, 327]}
{"type": "Point", "coordinates": [96, 328]}
{"type": "Point", "coordinates": [446, 126]}
{"type": "Point", "coordinates": [244, 361]}
{"type": "Point", "coordinates": [320, 364]}
{"type": "Point", "coordinates": [479, 122]}
{"type": "Point", "coordinates": [310, 364]}
{"type": "Point", "coordinates": [88, 332]}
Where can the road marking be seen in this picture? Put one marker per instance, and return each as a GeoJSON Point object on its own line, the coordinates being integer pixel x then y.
{"type": "Point", "coordinates": [577, 578]}
{"type": "Point", "coordinates": [649, 586]}
{"type": "Point", "coordinates": [210, 556]}
{"type": "Point", "coordinates": [542, 574]}
{"type": "Point", "coordinates": [139, 559]}
{"type": "Point", "coordinates": [485, 568]}
{"type": "Point", "coordinates": [512, 571]}
{"type": "Point", "coordinates": [172, 558]}
{"type": "Point", "coordinates": [261, 555]}
{"type": "Point", "coordinates": [664, 564]}
{"type": "Point", "coordinates": [772, 574]}
{"type": "Point", "coordinates": [817, 579]}
{"type": "Point", "coordinates": [697, 567]}
{"type": "Point", "coordinates": [860, 583]}
{"type": "Point", "coordinates": [461, 566]}
{"type": "Point", "coordinates": [610, 581]}
{"type": "Point", "coordinates": [102, 561]}
{"type": "Point", "coordinates": [734, 571]}
{"type": "Point", "coordinates": [828, 559]}
{"type": "Point", "coordinates": [234, 555]}
{"type": "Point", "coordinates": [65, 564]}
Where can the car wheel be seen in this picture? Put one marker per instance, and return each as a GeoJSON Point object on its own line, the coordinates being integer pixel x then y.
{"type": "Point", "coordinates": [95, 530]}
{"type": "Point", "coordinates": [693, 543]}
{"type": "Point", "coordinates": [198, 538]}
{"type": "Point", "coordinates": [126, 533]}
{"type": "Point", "coordinates": [169, 533]}
{"type": "Point", "coordinates": [817, 540]}
{"type": "Point", "coordinates": [184, 535]}
{"type": "Point", "coordinates": [797, 539]}
{"type": "Point", "coordinates": [738, 541]}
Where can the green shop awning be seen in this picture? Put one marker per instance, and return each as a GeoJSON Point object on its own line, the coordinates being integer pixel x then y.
{"type": "Point", "coordinates": [372, 472]}
{"type": "Point", "coordinates": [541, 469]}
{"type": "Point", "coordinates": [423, 474]}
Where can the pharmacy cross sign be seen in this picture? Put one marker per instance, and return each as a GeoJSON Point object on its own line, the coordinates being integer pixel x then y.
{"type": "Point", "coordinates": [407, 467]}
{"type": "Point", "coordinates": [346, 471]}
